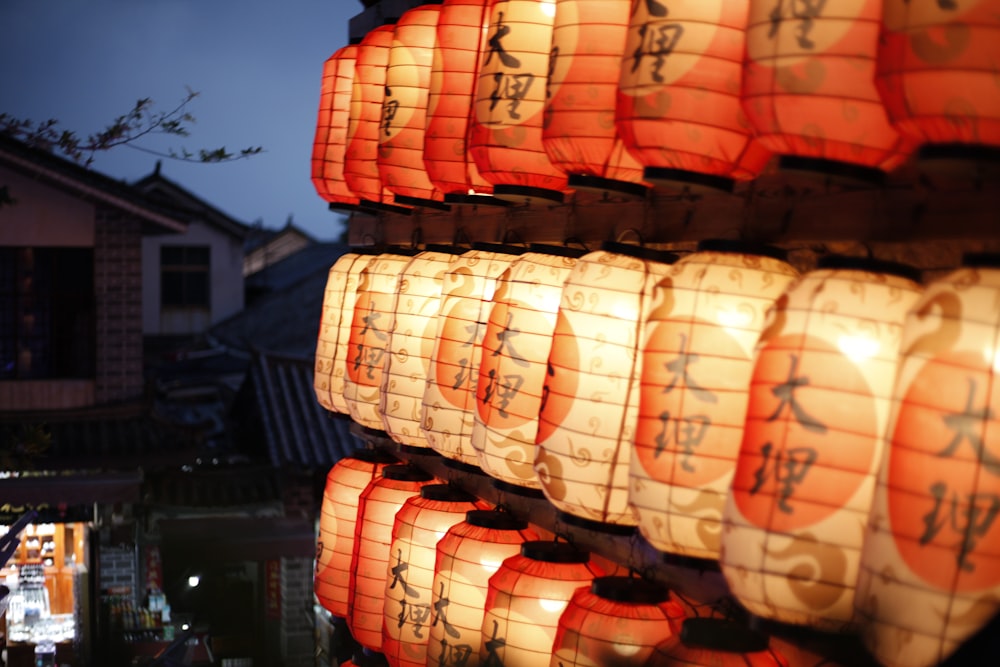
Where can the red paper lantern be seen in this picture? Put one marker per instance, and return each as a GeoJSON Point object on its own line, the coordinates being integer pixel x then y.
{"type": "Point", "coordinates": [404, 109]}
{"type": "Point", "coordinates": [696, 366]}
{"type": "Point", "coordinates": [588, 40]}
{"type": "Point", "coordinates": [590, 401]}
{"type": "Point", "coordinates": [365, 121]}
{"type": "Point", "coordinates": [936, 70]}
{"type": "Point", "coordinates": [461, 35]}
{"type": "Point", "coordinates": [374, 312]}
{"type": "Point", "coordinates": [679, 109]}
{"type": "Point", "coordinates": [467, 556]}
{"type": "Point", "coordinates": [514, 360]}
{"type": "Point", "coordinates": [817, 415]}
{"type": "Point", "coordinates": [930, 569]}
{"type": "Point", "coordinates": [809, 87]}
{"type": "Point", "coordinates": [715, 642]}
{"type": "Point", "coordinates": [420, 523]}
{"type": "Point", "coordinates": [525, 599]}
{"type": "Point", "coordinates": [338, 516]}
{"type": "Point", "coordinates": [377, 507]}
{"type": "Point", "coordinates": [330, 142]}
{"type": "Point", "coordinates": [506, 133]}
{"type": "Point", "coordinates": [335, 329]}
{"type": "Point", "coordinates": [450, 396]}
{"type": "Point", "coordinates": [411, 342]}
{"type": "Point", "coordinates": [615, 621]}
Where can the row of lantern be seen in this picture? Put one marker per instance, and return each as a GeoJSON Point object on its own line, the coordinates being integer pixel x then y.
{"type": "Point", "coordinates": [729, 407]}
{"type": "Point", "coordinates": [426, 574]}
{"type": "Point", "coordinates": [532, 98]}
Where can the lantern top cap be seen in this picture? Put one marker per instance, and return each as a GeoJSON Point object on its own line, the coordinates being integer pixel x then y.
{"type": "Point", "coordinates": [869, 264]}
{"type": "Point", "coordinates": [630, 590]}
{"type": "Point", "coordinates": [406, 473]}
{"type": "Point", "coordinates": [502, 248]}
{"type": "Point", "coordinates": [981, 260]}
{"type": "Point", "coordinates": [720, 634]}
{"type": "Point", "coordinates": [373, 456]}
{"type": "Point", "coordinates": [742, 248]}
{"type": "Point", "coordinates": [558, 250]}
{"type": "Point", "coordinates": [366, 249]}
{"type": "Point", "coordinates": [548, 551]}
{"type": "Point", "coordinates": [495, 519]}
{"type": "Point", "coordinates": [446, 493]}
{"type": "Point", "coordinates": [639, 252]}
{"type": "Point", "coordinates": [441, 247]}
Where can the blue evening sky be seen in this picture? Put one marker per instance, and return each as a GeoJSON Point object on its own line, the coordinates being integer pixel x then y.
{"type": "Point", "coordinates": [256, 64]}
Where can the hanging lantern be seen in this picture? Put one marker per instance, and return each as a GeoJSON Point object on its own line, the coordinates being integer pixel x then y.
{"type": "Point", "coordinates": [679, 108]}
{"type": "Point", "coordinates": [615, 621]}
{"type": "Point", "coordinates": [372, 321]}
{"type": "Point", "coordinates": [590, 401]}
{"type": "Point", "coordinates": [330, 142]}
{"type": "Point", "coordinates": [515, 351]}
{"type": "Point", "coordinates": [809, 88]}
{"type": "Point", "coordinates": [818, 409]}
{"type": "Point", "coordinates": [411, 341]}
{"type": "Point", "coordinates": [506, 133]}
{"type": "Point", "coordinates": [338, 515]}
{"type": "Point", "coordinates": [421, 522]}
{"type": "Point", "coordinates": [697, 361]}
{"type": "Point", "coordinates": [588, 41]}
{"type": "Point", "coordinates": [467, 556]}
{"type": "Point", "coordinates": [450, 395]}
{"type": "Point", "coordinates": [404, 110]}
{"type": "Point", "coordinates": [936, 73]}
{"type": "Point", "coordinates": [461, 37]}
{"type": "Point", "coordinates": [365, 121]}
{"type": "Point", "coordinates": [929, 576]}
{"type": "Point", "coordinates": [525, 599]}
{"type": "Point", "coordinates": [335, 329]}
{"type": "Point", "coordinates": [715, 642]}
{"type": "Point", "coordinates": [377, 507]}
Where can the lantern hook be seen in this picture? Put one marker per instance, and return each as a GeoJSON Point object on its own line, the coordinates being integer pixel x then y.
{"type": "Point", "coordinates": [633, 230]}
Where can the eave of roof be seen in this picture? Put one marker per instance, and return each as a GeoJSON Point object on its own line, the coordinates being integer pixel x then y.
{"type": "Point", "coordinates": [193, 205]}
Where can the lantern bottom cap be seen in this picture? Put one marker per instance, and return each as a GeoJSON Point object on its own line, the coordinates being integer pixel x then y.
{"type": "Point", "coordinates": [462, 466]}
{"type": "Point", "coordinates": [474, 200]}
{"type": "Point", "coordinates": [368, 205]}
{"type": "Point", "coordinates": [832, 171]}
{"type": "Point", "coordinates": [346, 208]}
{"type": "Point", "coordinates": [684, 179]}
{"type": "Point", "coordinates": [518, 490]}
{"type": "Point", "coordinates": [421, 202]}
{"type": "Point", "coordinates": [960, 161]}
{"type": "Point", "coordinates": [607, 187]}
{"type": "Point", "coordinates": [527, 195]}
{"type": "Point", "coordinates": [596, 526]}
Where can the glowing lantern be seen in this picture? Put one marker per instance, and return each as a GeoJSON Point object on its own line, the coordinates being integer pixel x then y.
{"type": "Point", "coordinates": [421, 522]}
{"type": "Point", "coordinates": [588, 38]}
{"type": "Point", "coordinates": [377, 507]}
{"type": "Point", "coordinates": [590, 401]}
{"type": "Point", "coordinates": [372, 321]}
{"type": "Point", "coordinates": [515, 353]}
{"type": "Point", "coordinates": [697, 361]}
{"type": "Point", "coordinates": [404, 109]}
{"type": "Point", "coordinates": [338, 515]}
{"type": "Point", "coordinates": [467, 556]}
{"type": "Point", "coordinates": [330, 142]}
{"type": "Point", "coordinates": [715, 642]}
{"type": "Point", "coordinates": [930, 571]}
{"type": "Point", "coordinates": [936, 70]}
{"type": "Point", "coordinates": [461, 35]}
{"type": "Point", "coordinates": [679, 109]}
{"type": "Point", "coordinates": [411, 341]}
{"type": "Point", "coordinates": [809, 87]}
{"type": "Point", "coordinates": [525, 599]}
{"type": "Point", "coordinates": [365, 120]}
{"type": "Point", "coordinates": [450, 395]}
{"type": "Point", "coordinates": [816, 420]}
{"type": "Point", "coordinates": [615, 621]}
{"type": "Point", "coordinates": [506, 133]}
{"type": "Point", "coordinates": [335, 329]}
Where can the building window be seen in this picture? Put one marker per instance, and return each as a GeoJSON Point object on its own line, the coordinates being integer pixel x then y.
{"type": "Point", "coordinates": [47, 306]}
{"type": "Point", "coordinates": [185, 276]}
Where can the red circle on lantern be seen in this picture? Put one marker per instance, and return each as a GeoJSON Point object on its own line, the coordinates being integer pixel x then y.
{"type": "Point", "coordinates": [560, 387]}
{"type": "Point", "coordinates": [810, 435]}
{"type": "Point", "coordinates": [369, 329]}
{"type": "Point", "coordinates": [944, 475]}
{"type": "Point", "coordinates": [456, 351]}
